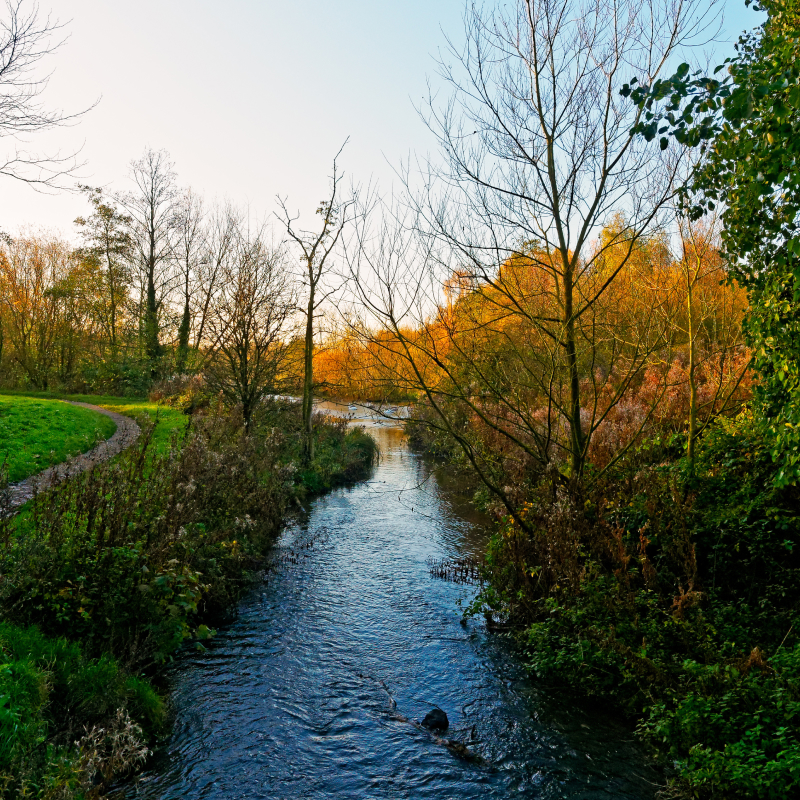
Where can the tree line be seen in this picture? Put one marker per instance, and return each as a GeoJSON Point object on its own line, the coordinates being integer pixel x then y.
{"type": "Point", "coordinates": [163, 284]}
{"type": "Point", "coordinates": [663, 349]}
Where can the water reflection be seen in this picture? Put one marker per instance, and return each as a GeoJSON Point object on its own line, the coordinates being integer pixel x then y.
{"type": "Point", "coordinates": [295, 698]}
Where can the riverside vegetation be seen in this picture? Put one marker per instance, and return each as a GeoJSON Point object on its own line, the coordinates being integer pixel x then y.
{"type": "Point", "coordinates": [107, 576]}
{"type": "Point", "coordinates": [593, 300]}
{"type": "Point", "coordinates": [672, 590]}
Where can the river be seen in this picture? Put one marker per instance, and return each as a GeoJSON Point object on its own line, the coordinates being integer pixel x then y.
{"type": "Point", "coordinates": [307, 692]}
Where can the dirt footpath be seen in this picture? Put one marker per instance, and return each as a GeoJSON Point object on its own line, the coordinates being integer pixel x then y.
{"type": "Point", "coordinates": [127, 433]}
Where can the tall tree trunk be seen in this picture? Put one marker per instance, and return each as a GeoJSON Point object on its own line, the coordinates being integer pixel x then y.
{"type": "Point", "coordinates": [112, 290]}
{"type": "Point", "coordinates": [308, 378]}
{"type": "Point", "coordinates": [692, 377]}
{"type": "Point", "coordinates": [570, 346]}
{"type": "Point", "coordinates": [183, 329]}
{"type": "Point", "coordinates": [183, 340]}
{"type": "Point", "coordinates": [152, 346]}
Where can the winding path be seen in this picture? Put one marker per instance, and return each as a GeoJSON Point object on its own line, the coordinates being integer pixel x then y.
{"type": "Point", "coordinates": [126, 434]}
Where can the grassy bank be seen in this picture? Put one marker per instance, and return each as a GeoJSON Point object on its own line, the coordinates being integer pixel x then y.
{"type": "Point", "coordinates": [672, 589]}
{"type": "Point", "coordinates": [36, 433]}
{"type": "Point", "coordinates": [141, 409]}
{"type": "Point", "coordinates": [68, 722]}
{"type": "Point", "coordinates": [134, 560]}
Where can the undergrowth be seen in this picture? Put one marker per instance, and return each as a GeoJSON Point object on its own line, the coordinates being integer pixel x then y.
{"type": "Point", "coordinates": [133, 560]}
{"type": "Point", "coordinates": [674, 590]}
{"type": "Point", "coordinates": [60, 709]}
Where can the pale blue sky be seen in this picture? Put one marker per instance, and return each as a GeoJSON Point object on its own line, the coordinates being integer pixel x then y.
{"type": "Point", "coordinates": [251, 97]}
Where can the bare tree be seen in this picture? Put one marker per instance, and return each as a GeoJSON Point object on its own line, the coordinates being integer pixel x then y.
{"type": "Point", "coordinates": [152, 208]}
{"type": "Point", "coordinates": [539, 154]}
{"type": "Point", "coordinates": [26, 40]}
{"type": "Point", "coordinates": [220, 239]}
{"type": "Point", "coordinates": [249, 323]}
{"type": "Point", "coordinates": [189, 251]}
{"type": "Point", "coordinates": [316, 249]}
{"type": "Point", "coordinates": [539, 158]}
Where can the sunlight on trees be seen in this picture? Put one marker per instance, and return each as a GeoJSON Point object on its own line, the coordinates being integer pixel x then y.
{"type": "Point", "coordinates": [589, 300]}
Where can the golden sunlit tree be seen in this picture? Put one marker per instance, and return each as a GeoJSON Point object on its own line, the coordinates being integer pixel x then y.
{"type": "Point", "coordinates": [34, 270]}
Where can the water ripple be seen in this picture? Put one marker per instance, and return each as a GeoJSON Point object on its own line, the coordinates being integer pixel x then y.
{"type": "Point", "coordinates": [312, 691]}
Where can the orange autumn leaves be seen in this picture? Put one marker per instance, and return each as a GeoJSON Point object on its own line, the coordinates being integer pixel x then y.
{"type": "Point", "coordinates": [658, 332]}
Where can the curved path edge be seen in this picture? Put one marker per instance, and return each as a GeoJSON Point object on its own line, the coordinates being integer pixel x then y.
{"type": "Point", "coordinates": [127, 432]}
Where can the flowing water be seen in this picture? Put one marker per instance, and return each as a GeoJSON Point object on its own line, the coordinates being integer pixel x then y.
{"type": "Point", "coordinates": [312, 692]}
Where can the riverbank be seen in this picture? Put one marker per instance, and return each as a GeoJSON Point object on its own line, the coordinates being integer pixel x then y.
{"type": "Point", "coordinates": [106, 576]}
{"type": "Point", "coordinates": [670, 588]}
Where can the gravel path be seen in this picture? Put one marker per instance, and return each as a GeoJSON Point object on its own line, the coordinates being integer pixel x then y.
{"type": "Point", "coordinates": [126, 434]}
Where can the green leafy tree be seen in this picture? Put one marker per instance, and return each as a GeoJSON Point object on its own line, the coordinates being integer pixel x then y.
{"type": "Point", "coordinates": [107, 245]}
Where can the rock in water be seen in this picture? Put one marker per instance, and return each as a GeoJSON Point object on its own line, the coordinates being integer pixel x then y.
{"type": "Point", "coordinates": [436, 720]}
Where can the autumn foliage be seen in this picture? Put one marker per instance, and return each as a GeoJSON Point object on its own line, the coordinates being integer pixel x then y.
{"type": "Point", "coordinates": [660, 351]}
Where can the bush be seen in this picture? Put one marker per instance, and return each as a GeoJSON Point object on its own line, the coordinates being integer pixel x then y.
{"type": "Point", "coordinates": [124, 556]}
{"type": "Point", "coordinates": [186, 392]}
{"type": "Point", "coordinates": [341, 453]}
{"type": "Point", "coordinates": [674, 589]}
{"type": "Point", "coordinates": [125, 376]}
{"type": "Point", "coordinates": [51, 692]}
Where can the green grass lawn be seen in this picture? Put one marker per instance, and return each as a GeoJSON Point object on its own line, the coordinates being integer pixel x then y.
{"type": "Point", "coordinates": [35, 433]}
{"type": "Point", "coordinates": [138, 408]}
{"type": "Point", "coordinates": [142, 410]}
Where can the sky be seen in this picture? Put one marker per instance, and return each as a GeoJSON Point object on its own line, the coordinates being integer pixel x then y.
{"type": "Point", "coordinates": [252, 98]}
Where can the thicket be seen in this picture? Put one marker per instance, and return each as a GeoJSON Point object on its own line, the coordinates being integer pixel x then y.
{"type": "Point", "coordinates": [670, 587]}
{"type": "Point", "coordinates": [674, 590]}
{"type": "Point", "coordinates": [134, 559]}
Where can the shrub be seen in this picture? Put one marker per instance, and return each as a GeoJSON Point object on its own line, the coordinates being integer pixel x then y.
{"type": "Point", "coordinates": [124, 556]}
{"type": "Point", "coordinates": [132, 559]}
{"type": "Point", "coordinates": [187, 392]}
{"type": "Point", "coordinates": [673, 588]}
{"type": "Point", "coordinates": [51, 692]}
